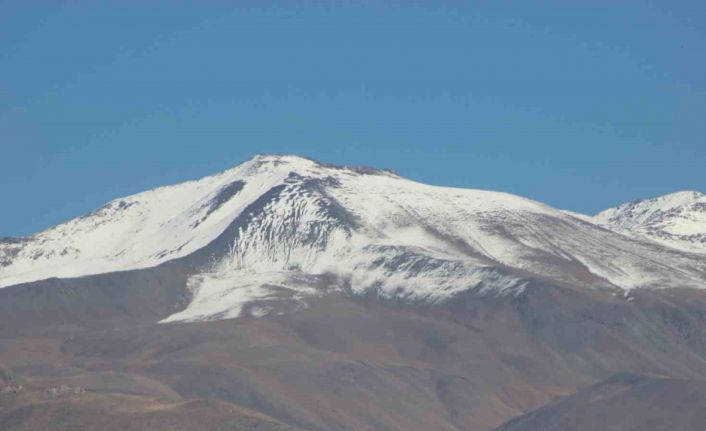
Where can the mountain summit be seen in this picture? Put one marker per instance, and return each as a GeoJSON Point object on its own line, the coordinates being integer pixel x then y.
{"type": "Point", "coordinates": [677, 219]}
{"type": "Point", "coordinates": [275, 230]}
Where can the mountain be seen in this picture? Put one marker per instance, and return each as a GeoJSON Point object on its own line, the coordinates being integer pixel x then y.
{"type": "Point", "coordinates": [290, 294]}
{"type": "Point", "coordinates": [677, 220]}
{"type": "Point", "coordinates": [277, 229]}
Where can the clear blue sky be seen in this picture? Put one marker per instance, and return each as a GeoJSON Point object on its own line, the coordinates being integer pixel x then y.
{"type": "Point", "coordinates": [581, 105]}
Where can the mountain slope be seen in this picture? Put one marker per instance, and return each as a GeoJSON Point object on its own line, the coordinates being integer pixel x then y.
{"type": "Point", "coordinates": [138, 231]}
{"type": "Point", "coordinates": [677, 220]}
{"type": "Point", "coordinates": [623, 402]}
{"type": "Point", "coordinates": [350, 362]}
{"type": "Point", "coordinates": [117, 412]}
{"type": "Point", "coordinates": [278, 229]}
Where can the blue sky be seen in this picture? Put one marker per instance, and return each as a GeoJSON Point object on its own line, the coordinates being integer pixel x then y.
{"type": "Point", "coordinates": [581, 105]}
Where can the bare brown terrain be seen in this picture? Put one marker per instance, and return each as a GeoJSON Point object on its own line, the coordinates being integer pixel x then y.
{"type": "Point", "coordinates": [623, 402]}
{"type": "Point", "coordinates": [99, 411]}
{"type": "Point", "coordinates": [343, 362]}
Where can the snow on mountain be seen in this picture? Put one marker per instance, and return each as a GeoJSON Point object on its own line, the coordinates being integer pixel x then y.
{"type": "Point", "coordinates": [138, 231]}
{"type": "Point", "coordinates": [295, 228]}
{"type": "Point", "coordinates": [677, 220]}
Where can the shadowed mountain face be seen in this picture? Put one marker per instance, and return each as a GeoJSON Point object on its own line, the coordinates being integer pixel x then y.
{"type": "Point", "coordinates": [296, 295]}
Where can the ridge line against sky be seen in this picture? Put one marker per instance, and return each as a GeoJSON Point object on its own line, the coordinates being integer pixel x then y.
{"type": "Point", "coordinates": [581, 107]}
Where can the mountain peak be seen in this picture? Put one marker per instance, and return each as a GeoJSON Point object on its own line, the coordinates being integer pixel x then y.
{"type": "Point", "coordinates": [677, 219]}
{"type": "Point", "coordinates": [280, 158]}
{"type": "Point", "coordinates": [307, 164]}
{"type": "Point", "coordinates": [269, 161]}
{"type": "Point", "coordinates": [675, 199]}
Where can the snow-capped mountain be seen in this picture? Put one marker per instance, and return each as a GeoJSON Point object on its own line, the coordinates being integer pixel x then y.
{"type": "Point", "coordinates": [277, 229]}
{"type": "Point", "coordinates": [677, 220]}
